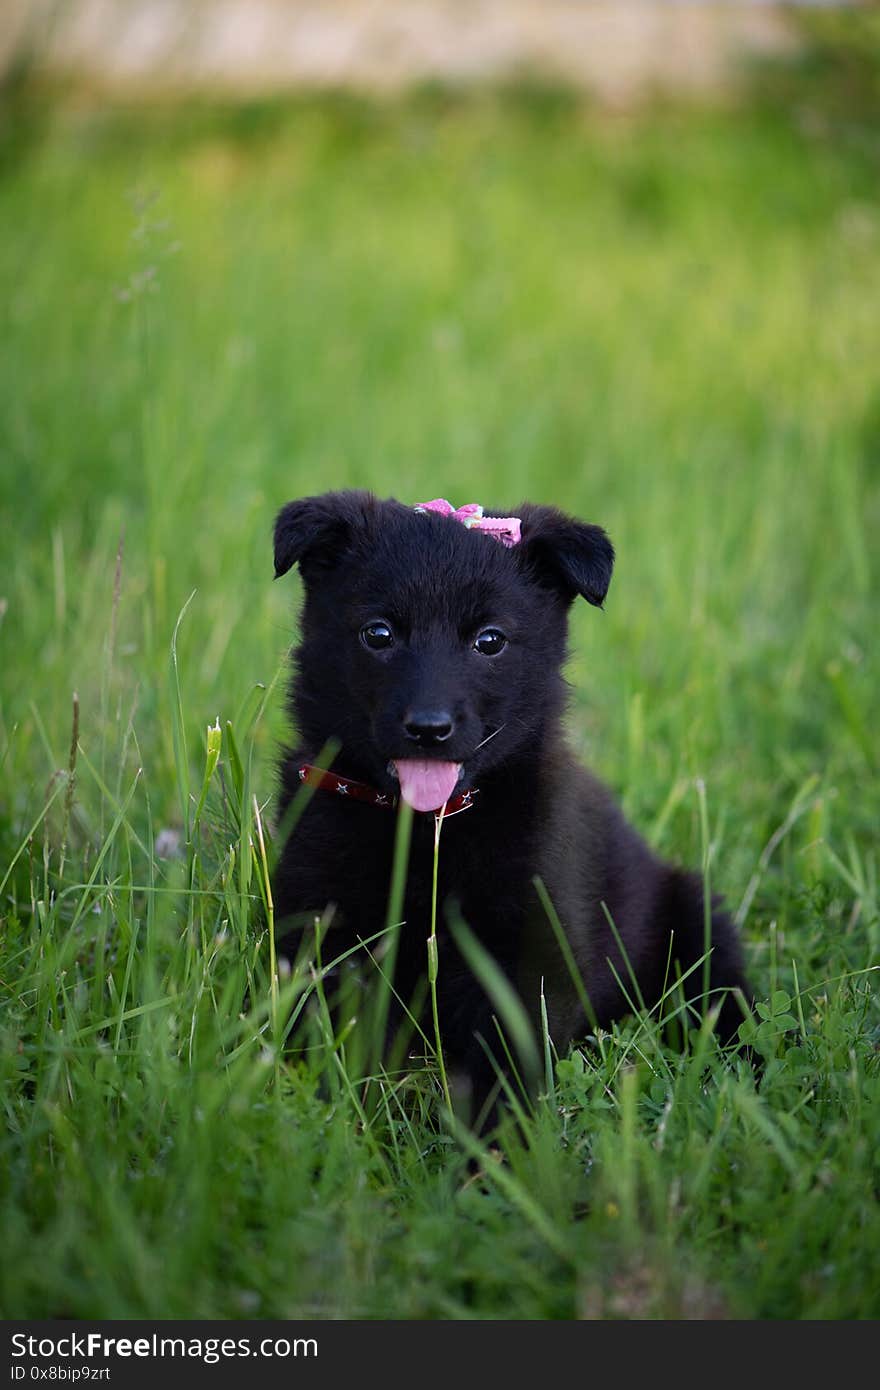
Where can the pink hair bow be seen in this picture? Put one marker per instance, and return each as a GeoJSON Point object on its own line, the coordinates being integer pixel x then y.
{"type": "Point", "coordinates": [505, 529]}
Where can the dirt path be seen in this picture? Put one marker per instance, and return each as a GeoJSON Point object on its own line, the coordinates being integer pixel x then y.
{"type": "Point", "coordinates": [615, 48]}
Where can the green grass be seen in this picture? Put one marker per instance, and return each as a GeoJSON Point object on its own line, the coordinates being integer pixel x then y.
{"type": "Point", "coordinates": [666, 323]}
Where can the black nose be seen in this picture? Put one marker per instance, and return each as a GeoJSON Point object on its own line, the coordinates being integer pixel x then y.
{"type": "Point", "coordinates": [428, 726]}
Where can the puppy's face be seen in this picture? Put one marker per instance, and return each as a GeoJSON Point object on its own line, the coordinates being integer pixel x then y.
{"type": "Point", "coordinates": [430, 651]}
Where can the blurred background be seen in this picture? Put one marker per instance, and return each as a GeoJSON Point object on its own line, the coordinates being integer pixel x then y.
{"type": "Point", "coordinates": [616, 255]}
{"type": "Point", "coordinates": [616, 49]}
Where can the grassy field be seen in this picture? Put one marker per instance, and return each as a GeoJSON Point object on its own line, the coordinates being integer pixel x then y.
{"type": "Point", "coordinates": [665, 323]}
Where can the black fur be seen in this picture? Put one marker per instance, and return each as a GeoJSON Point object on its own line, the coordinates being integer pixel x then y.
{"type": "Point", "coordinates": [537, 813]}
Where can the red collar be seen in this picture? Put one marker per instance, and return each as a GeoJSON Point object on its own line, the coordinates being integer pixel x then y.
{"type": "Point", "coordinates": [359, 791]}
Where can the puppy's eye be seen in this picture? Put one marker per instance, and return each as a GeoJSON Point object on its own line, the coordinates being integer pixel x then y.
{"type": "Point", "coordinates": [377, 636]}
{"type": "Point", "coordinates": [490, 642]}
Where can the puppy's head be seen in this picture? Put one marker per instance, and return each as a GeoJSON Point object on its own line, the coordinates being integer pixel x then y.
{"type": "Point", "coordinates": [431, 651]}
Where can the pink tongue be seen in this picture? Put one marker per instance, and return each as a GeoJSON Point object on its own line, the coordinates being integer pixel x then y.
{"type": "Point", "coordinates": [425, 784]}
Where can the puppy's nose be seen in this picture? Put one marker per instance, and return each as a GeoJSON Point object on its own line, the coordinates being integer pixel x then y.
{"type": "Point", "coordinates": [428, 726]}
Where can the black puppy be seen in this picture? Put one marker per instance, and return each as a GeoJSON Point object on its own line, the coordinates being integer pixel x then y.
{"type": "Point", "coordinates": [432, 651]}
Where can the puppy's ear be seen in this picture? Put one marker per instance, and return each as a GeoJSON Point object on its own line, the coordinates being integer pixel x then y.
{"type": "Point", "coordinates": [315, 532]}
{"type": "Point", "coordinates": [565, 554]}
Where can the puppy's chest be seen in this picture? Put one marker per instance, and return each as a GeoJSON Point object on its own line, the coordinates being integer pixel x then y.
{"type": "Point", "coordinates": [337, 859]}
